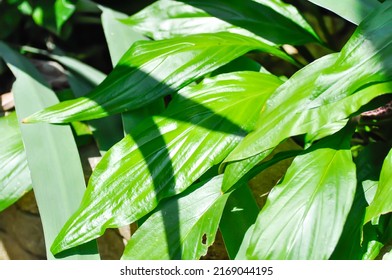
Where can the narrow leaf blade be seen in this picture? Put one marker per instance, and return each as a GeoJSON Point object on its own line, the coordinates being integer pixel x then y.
{"type": "Point", "coordinates": [52, 155]}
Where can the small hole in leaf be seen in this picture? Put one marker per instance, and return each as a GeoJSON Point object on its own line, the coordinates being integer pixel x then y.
{"type": "Point", "coordinates": [204, 239]}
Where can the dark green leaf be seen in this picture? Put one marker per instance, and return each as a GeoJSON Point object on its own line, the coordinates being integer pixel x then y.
{"type": "Point", "coordinates": [52, 14]}
{"type": "Point", "coordinates": [272, 21]}
{"type": "Point", "coordinates": [183, 227]}
{"type": "Point", "coordinates": [15, 175]}
{"type": "Point", "coordinates": [240, 213]}
{"type": "Point", "coordinates": [305, 214]}
{"type": "Point", "coordinates": [52, 155]}
{"type": "Point", "coordinates": [150, 70]}
{"type": "Point", "coordinates": [165, 154]}
{"type": "Point", "coordinates": [328, 90]}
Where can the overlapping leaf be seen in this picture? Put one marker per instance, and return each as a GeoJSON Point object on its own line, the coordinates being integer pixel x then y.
{"type": "Point", "coordinates": [149, 70]}
{"type": "Point", "coordinates": [326, 91]}
{"type": "Point", "coordinates": [273, 21]}
{"type": "Point", "coordinates": [304, 215]}
{"type": "Point", "coordinates": [15, 175]}
{"type": "Point", "coordinates": [188, 238]}
{"type": "Point", "coordinates": [52, 155]}
{"type": "Point", "coordinates": [352, 10]}
{"type": "Point", "coordinates": [382, 202]}
{"type": "Point", "coordinates": [165, 154]}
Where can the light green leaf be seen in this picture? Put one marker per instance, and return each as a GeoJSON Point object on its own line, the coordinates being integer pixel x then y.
{"type": "Point", "coordinates": [382, 202]}
{"type": "Point", "coordinates": [52, 14]}
{"type": "Point", "coordinates": [241, 255]}
{"type": "Point", "coordinates": [150, 70]}
{"type": "Point", "coordinates": [82, 79]}
{"type": "Point", "coordinates": [328, 90]}
{"type": "Point", "coordinates": [352, 10]}
{"type": "Point", "coordinates": [165, 154]}
{"type": "Point", "coordinates": [52, 155]}
{"type": "Point", "coordinates": [305, 214]}
{"type": "Point", "coordinates": [183, 227]}
{"type": "Point", "coordinates": [352, 242]}
{"type": "Point", "coordinates": [15, 178]}
{"type": "Point", "coordinates": [119, 38]}
{"type": "Point", "coordinates": [269, 21]}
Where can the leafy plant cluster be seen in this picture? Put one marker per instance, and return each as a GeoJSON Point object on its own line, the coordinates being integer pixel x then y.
{"type": "Point", "coordinates": [204, 96]}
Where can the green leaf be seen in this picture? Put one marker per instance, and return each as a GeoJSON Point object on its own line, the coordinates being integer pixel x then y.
{"type": "Point", "coordinates": [149, 70]}
{"type": "Point", "coordinates": [352, 10]}
{"type": "Point", "coordinates": [240, 213]}
{"type": "Point", "coordinates": [183, 227]}
{"type": "Point", "coordinates": [15, 178]}
{"type": "Point", "coordinates": [305, 214]}
{"type": "Point", "coordinates": [328, 90]}
{"type": "Point", "coordinates": [269, 21]}
{"type": "Point", "coordinates": [82, 79]}
{"type": "Point", "coordinates": [119, 38]}
{"type": "Point", "coordinates": [52, 155]}
{"type": "Point", "coordinates": [241, 255]}
{"type": "Point", "coordinates": [382, 202]}
{"type": "Point", "coordinates": [165, 154]}
{"type": "Point", "coordinates": [52, 14]}
{"type": "Point", "coordinates": [352, 245]}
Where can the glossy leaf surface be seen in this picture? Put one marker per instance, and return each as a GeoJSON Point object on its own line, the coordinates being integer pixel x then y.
{"type": "Point", "coordinates": [149, 70]}
{"type": "Point", "coordinates": [161, 236]}
{"type": "Point", "coordinates": [328, 90]}
{"type": "Point", "coordinates": [52, 155]}
{"type": "Point", "coordinates": [15, 175]}
{"type": "Point", "coordinates": [272, 21]}
{"type": "Point", "coordinates": [165, 154]}
{"type": "Point", "coordinates": [352, 10]}
{"type": "Point", "coordinates": [119, 38]}
{"type": "Point", "coordinates": [304, 215]}
{"type": "Point", "coordinates": [382, 202]}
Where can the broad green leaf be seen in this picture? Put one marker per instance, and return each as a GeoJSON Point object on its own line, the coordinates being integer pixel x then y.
{"type": "Point", "coordinates": [240, 213]}
{"type": "Point", "coordinates": [165, 154]}
{"type": "Point", "coordinates": [52, 14]}
{"type": "Point", "coordinates": [328, 90]}
{"type": "Point", "coordinates": [149, 70]}
{"type": "Point", "coordinates": [305, 214]}
{"type": "Point", "coordinates": [270, 21]}
{"type": "Point", "coordinates": [351, 245]}
{"type": "Point", "coordinates": [52, 155]}
{"type": "Point", "coordinates": [15, 178]}
{"type": "Point", "coordinates": [119, 38]}
{"type": "Point", "coordinates": [382, 202]}
{"type": "Point", "coordinates": [352, 10]}
{"type": "Point", "coordinates": [183, 227]}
